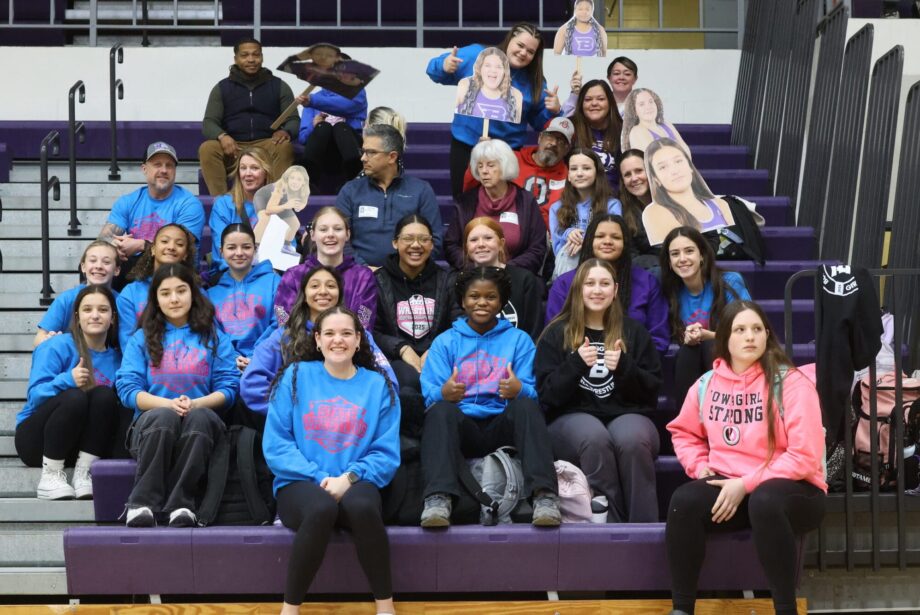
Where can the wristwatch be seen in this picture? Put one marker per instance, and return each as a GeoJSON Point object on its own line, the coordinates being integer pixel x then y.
{"type": "Point", "coordinates": [352, 477]}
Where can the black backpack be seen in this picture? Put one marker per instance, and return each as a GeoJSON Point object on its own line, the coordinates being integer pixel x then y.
{"type": "Point", "coordinates": [239, 490]}
{"type": "Point", "coordinates": [743, 240]}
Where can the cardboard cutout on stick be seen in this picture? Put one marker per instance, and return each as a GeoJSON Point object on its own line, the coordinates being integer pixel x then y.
{"type": "Point", "coordinates": [680, 197]}
{"type": "Point", "coordinates": [644, 123]}
{"type": "Point", "coordinates": [273, 247]}
{"type": "Point", "coordinates": [488, 93]}
{"type": "Point", "coordinates": [281, 200]}
{"type": "Point", "coordinates": [582, 35]}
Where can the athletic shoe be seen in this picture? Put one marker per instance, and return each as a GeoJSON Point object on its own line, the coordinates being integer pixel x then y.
{"type": "Point", "coordinates": [141, 516]}
{"type": "Point", "coordinates": [182, 517]}
{"type": "Point", "coordinates": [546, 510]}
{"type": "Point", "coordinates": [53, 486]}
{"type": "Point", "coordinates": [82, 483]}
{"type": "Point", "coordinates": [437, 511]}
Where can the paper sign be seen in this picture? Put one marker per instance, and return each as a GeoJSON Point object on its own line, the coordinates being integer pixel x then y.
{"type": "Point", "coordinates": [282, 200]}
{"type": "Point", "coordinates": [324, 65]}
{"type": "Point", "coordinates": [488, 93]}
{"type": "Point", "coordinates": [643, 121]}
{"type": "Point", "coordinates": [582, 35]}
{"type": "Point", "coordinates": [272, 245]}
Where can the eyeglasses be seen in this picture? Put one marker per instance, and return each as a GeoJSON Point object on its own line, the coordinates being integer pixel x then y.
{"type": "Point", "coordinates": [408, 240]}
{"type": "Point", "coordinates": [370, 152]}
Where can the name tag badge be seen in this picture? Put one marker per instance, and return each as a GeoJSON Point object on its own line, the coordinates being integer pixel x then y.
{"type": "Point", "coordinates": [367, 211]}
{"type": "Point", "coordinates": [508, 217]}
{"type": "Point", "coordinates": [556, 184]}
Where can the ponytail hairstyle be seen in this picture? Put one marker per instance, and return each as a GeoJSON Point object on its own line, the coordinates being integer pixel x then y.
{"type": "Point", "coordinates": [496, 275]}
{"type": "Point", "coordinates": [573, 310]}
{"type": "Point", "coordinates": [309, 351]}
{"type": "Point", "coordinates": [623, 266]}
{"type": "Point", "coordinates": [76, 331]}
{"type": "Point", "coordinates": [299, 325]}
{"type": "Point", "coordinates": [236, 227]}
{"type": "Point", "coordinates": [391, 117]}
{"type": "Point", "coordinates": [567, 215]}
{"type": "Point", "coordinates": [633, 206]}
{"type": "Point", "coordinates": [534, 70]}
{"type": "Point", "coordinates": [200, 316]}
{"type": "Point", "coordinates": [146, 263]}
{"type": "Point", "coordinates": [309, 246]}
{"type": "Point", "coordinates": [773, 361]}
{"type": "Point", "coordinates": [236, 192]}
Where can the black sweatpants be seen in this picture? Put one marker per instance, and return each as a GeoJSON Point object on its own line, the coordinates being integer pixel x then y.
{"type": "Point", "coordinates": [776, 511]}
{"type": "Point", "coordinates": [311, 513]}
{"type": "Point", "coordinates": [690, 363]}
{"type": "Point", "coordinates": [411, 401]}
{"type": "Point", "coordinates": [73, 420]}
{"type": "Point", "coordinates": [459, 162]}
{"type": "Point", "coordinates": [449, 431]}
{"type": "Point", "coordinates": [172, 455]}
{"type": "Point", "coordinates": [331, 151]}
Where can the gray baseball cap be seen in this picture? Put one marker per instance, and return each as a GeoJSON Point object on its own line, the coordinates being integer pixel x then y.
{"type": "Point", "coordinates": [161, 147]}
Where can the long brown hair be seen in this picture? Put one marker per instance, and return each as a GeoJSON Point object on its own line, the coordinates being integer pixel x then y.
{"type": "Point", "coordinates": [567, 215]}
{"type": "Point", "coordinates": [76, 331]}
{"type": "Point", "coordinates": [535, 68]}
{"type": "Point", "coordinates": [583, 135]}
{"type": "Point", "coordinates": [573, 310]}
{"type": "Point", "coordinates": [632, 205]}
{"type": "Point", "coordinates": [236, 192]}
{"type": "Point", "coordinates": [774, 361]}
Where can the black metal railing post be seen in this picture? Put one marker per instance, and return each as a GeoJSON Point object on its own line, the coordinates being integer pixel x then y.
{"type": "Point", "coordinates": [145, 42]}
{"type": "Point", "coordinates": [116, 86]}
{"type": "Point", "coordinates": [52, 143]}
{"type": "Point", "coordinates": [76, 130]}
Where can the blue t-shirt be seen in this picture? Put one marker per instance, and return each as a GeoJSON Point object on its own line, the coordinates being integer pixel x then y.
{"type": "Point", "coordinates": [695, 308]}
{"type": "Point", "coordinates": [142, 216]}
{"type": "Point", "coordinates": [57, 318]}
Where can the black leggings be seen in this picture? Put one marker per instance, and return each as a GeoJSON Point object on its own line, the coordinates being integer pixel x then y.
{"type": "Point", "coordinates": [459, 162]}
{"type": "Point", "coordinates": [71, 421]}
{"type": "Point", "coordinates": [690, 363]}
{"type": "Point", "coordinates": [776, 511]}
{"type": "Point", "coordinates": [308, 510]}
{"type": "Point", "coordinates": [412, 404]}
{"type": "Point", "coordinates": [332, 149]}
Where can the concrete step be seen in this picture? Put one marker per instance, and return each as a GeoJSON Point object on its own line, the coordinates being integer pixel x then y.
{"type": "Point", "coordinates": [69, 249]}
{"type": "Point", "coordinates": [24, 171]}
{"type": "Point", "coordinates": [18, 290]}
{"type": "Point", "coordinates": [13, 389]}
{"type": "Point", "coordinates": [16, 342]}
{"type": "Point", "coordinates": [155, 39]}
{"type": "Point", "coordinates": [26, 195]}
{"type": "Point", "coordinates": [90, 218]}
{"type": "Point", "coordinates": [32, 544]}
{"type": "Point", "coordinates": [34, 510]}
{"type": "Point", "coordinates": [15, 365]}
{"type": "Point", "coordinates": [7, 449]}
{"type": "Point", "coordinates": [8, 410]}
{"type": "Point", "coordinates": [33, 580]}
{"type": "Point", "coordinates": [33, 263]}
{"type": "Point", "coordinates": [21, 322]}
{"type": "Point", "coordinates": [19, 481]}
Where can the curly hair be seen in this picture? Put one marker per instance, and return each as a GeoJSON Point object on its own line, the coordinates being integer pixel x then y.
{"type": "Point", "coordinates": [200, 316]}
{"type": "Point", "coordinates": [623, 266]}
{"type": "Point", "coordinates": [76, 331]}
{"type": "Point", "coordinates": [496, 275]}
{"type": "Point", "coordinates": [146, 264]}
{"type": "Point", "coordinates": [300, 322]}
{"type": "Point", "coordinates": [468, 104]}
{"type": "Point", "coordinates": [567, 215]}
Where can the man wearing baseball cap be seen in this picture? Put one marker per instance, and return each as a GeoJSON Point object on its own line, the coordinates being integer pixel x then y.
{"type": "Point", "coordinates": [542, 166]}
{"type": "Point", "coordinates": [138, 215]}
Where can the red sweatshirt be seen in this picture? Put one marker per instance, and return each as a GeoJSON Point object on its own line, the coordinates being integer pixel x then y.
{"type": "Point", "coordinates": [731, 437]}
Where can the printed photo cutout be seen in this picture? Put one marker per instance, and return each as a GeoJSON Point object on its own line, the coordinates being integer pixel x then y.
{"type": "Point", "coordinates": [325, 65]}
{"type": "Point", "coordinates": [282, 200]}
{"type": "Point", "coordinates": [644, 123]}
{"type": "Point", "coordinates": [488, 93]}
{"type": "Point", "coordinates": [680, 197]}
{"type": "Point", "coordinates": [582, 35]}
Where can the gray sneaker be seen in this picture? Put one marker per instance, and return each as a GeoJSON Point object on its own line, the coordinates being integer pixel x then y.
{"type": "Point", "coordinates": [437, 511]}
{"type": "Point", "coordinates": [546, 510]}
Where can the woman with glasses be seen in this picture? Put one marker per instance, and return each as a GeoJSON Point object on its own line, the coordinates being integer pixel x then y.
{"type": "Point", "coordinates": [414, 305]}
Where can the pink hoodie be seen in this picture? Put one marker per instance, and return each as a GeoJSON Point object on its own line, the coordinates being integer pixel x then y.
{"type": "Point", "coordinates": [731, 439]}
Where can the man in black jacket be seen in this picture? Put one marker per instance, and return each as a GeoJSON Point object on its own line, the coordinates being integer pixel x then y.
{"type": "Point", "coordinates": [241, 109]}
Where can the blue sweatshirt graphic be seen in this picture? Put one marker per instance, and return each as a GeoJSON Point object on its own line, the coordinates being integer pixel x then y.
{"type": "Point", "coordinates": [244, 309]}
{"type": "Point", "coordinates": [223, 214]}
{"type": "Point", "coordinates": [57, 318]}
{"type": "Point", "coordinates": [131, 303]}
{"type": "Point", "coordinates": [188, 368]}
{"type": "Point", "coordinates": [335, 426]}
{"type": "Point", "coordinates": [142, 216]}
{"type": "Point", "coordinates": [52, 361]}
{"type": "Point", "coordinates": [482, 360]}
{"type": "Point", "coordinates": [266, 361]}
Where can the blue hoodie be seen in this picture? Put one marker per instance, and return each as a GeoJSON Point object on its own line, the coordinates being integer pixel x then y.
{"type": "Point", "coordinates": [223, 214]}
{"type": "Point", "coordinates": [352, 110]}
{"type": "Point", "coordinates": [335, 426]}
{"type": "Point", "coordinates": [57, 318]}
{"type": "Point", "coordinates": [468, 129]}
{"type": "Point", "coordinates": [131, 303]}
{"type": "Point", "coordinates": [52, 361]}
{"type": "Point", "coordinates": [482, 360]}
{"type": "Point", "coordinates": [266, 361]}
{"type": "Point", "coordinates": [188, 368]}
{"type": "Point", "coordinates": [245, 309]}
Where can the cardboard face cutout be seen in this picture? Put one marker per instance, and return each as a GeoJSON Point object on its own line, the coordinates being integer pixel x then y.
{"type": "Point", "coordinates": [680, 197]}
{"type": "Point", "coordinates": [644, 123]}
{"type": "Point", "coordinates": [582, 35]}
{"type": "Point", "coordinates": [279, 203]}
{"type": "Point", "coordinates": [488, 93]}
{"type": "Point", "coordinates": [324, 65]}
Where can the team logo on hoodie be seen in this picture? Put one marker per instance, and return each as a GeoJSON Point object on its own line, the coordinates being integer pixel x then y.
{"type": "Point", "coordinates": [240, 312]}
{"type": "Point", "coordinates": [182, 368]}
{"type": "Point", "coordinates": [599, 380]}
{"type": "Point", "coordinates": [731, 434]}
{"type": "Point", "coordinates": [480, 372]}
{"type": "Point", "coordinates": [335, 424]}
{"type": "Point", "coordinates": [101, 379]}
{"type": "Point", "coordinates": [414, 316]}
{"type": "Point", "coordinates": [146, 227]}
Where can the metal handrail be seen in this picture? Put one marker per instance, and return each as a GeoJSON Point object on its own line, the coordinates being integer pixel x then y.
{"type": "Point", "coordinates": [76, 131]}
{"type": "Point", "coordinates": [52, 142]}
{"type": "Point", "coordinates": [116, 86]}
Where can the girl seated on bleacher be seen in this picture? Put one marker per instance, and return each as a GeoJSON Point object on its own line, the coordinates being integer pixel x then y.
{"type": "Point", "coordinates": [179, 376]}
{"type": "Point", "coordinates": [750, 436]}
{"type": "Point", "coordinates": [332, 442]}
{"type": "Point", "coordinates": [243, 294]}
{"type": "Point", "coordinates": [253, 170]}
{"type": "Point", "coordinates": [99, 264]}
{"type": "Point", "coordinates": [697, 291]}
{"type": "Point", "coordinates": [598, 375]}
{"type": "Point", "coordinates": [71, 410]}
{"type": "Point", "coordinates": [173, 243]}
{"type": "Point", "coordinates": [329, 233]}
{"type": "Point", "coordinates": [478, 383]}
{"type": "Point", "coordinates": [638, 292]}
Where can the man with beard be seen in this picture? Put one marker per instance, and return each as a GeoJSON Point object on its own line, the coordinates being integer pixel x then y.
{"type": "Point", "coordinates": [542, 166]}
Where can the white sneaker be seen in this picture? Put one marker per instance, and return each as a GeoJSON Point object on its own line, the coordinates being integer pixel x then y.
{"type": "Point", "coordinates": [53, 485]}
{"type": "Point", "coordinates": [182, 517]}
{"type": "Point", "coordinates": [141, 516]}
{"type": "Point", "coordinates": [82, 483]}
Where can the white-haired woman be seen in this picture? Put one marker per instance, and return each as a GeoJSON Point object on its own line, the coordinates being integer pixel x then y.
{"type": "Point", "coordinates": [494, 165]}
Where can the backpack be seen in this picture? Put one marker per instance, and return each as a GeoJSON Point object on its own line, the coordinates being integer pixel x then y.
{"type": "Point", "coordinates": [239, 490]}
{"type": "Point", "coordinates": [500, 479]}
{"type": "Point", "coordinates": [574, 493]}
{"type": "Point", "coordinates": [741, 241]}
{"type": "Point", "coordinates": [887, 446]}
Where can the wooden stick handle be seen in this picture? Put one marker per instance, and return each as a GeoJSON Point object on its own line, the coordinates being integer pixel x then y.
{"type": "Point", "coordinates": [291, 108]}
{"type": "Point", "coordinates": [578, 64]}
{"type": "Point", "coordinates": [485, 127]}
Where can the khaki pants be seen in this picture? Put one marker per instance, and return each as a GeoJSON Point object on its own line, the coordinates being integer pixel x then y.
{"type": "Point", "coordinates": [215, 166]}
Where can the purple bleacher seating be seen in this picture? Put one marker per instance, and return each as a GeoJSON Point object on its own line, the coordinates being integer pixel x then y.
{"type": "Point", "coordinates": [5, 164]}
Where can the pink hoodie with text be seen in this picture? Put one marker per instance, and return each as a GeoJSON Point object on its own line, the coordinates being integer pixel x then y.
{"type": "Point", "coordinates": [731, 438]}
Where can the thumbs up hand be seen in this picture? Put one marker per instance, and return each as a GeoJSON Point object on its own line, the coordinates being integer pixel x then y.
{"type": "Point", "coordinates": [451, 62]}
{"type": "Point", "coordinates": [551, 102]}
{"type": "Point", "coordinates": [452, 390]}
{"type": "Point", "coordinates": [588, 353]}
{"type": "Point", "coordinates": [508, 388]}
{"type": "Point", "coordinates": [80, 374]}
{"type": "Point", "coordinates": [612, 357]}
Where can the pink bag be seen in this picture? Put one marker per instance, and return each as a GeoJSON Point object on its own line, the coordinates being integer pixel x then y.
{"type": "Point", "coordinates": [574, 493]}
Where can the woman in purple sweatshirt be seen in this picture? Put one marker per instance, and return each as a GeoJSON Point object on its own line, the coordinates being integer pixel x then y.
{"type": "Point", "coordinates": [607, 238]}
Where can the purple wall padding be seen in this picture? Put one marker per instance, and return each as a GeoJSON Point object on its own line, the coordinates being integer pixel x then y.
{"type": "Point", "coordinates": [113, 480]}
